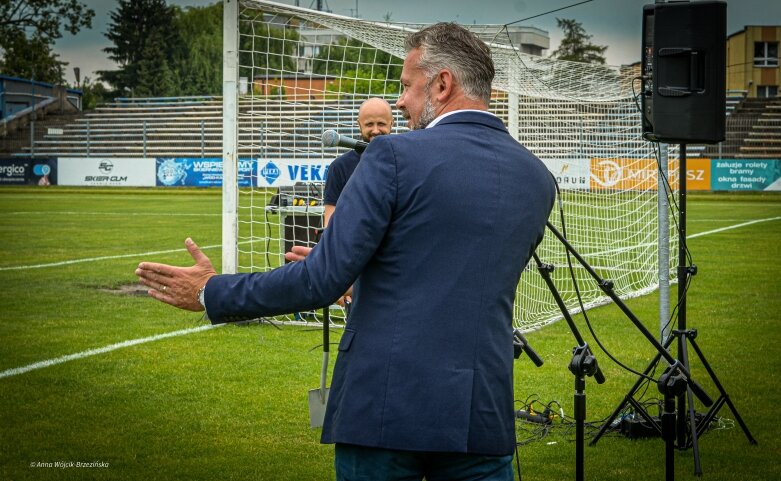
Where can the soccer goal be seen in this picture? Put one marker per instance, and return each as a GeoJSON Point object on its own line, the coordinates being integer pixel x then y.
{"type": "Point", "coordinates": [292, 73]}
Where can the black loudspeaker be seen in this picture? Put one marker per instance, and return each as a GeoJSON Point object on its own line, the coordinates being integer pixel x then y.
{"type": "Point", "coordinates": [301, 230]}
{"type": "Point", "coordinates": [684, 72]}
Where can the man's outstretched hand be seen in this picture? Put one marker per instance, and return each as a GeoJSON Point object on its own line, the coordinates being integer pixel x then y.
{"type": "Point", "coordinates": [178, 286]}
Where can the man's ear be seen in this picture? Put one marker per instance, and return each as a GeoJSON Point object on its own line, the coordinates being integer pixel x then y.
{"type": "Point", "coordinates": [444, 85]}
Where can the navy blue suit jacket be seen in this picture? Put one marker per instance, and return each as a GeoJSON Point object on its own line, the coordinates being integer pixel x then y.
{"type": "Point", "coordinates": [433, 229]}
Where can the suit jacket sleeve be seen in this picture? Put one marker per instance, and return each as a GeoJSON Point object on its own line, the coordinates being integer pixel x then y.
{"type": "Point", "coordinates": [348, 243]}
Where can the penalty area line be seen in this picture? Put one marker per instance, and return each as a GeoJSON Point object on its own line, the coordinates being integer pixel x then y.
{"type": "Point", "coordinates": [102, 350]}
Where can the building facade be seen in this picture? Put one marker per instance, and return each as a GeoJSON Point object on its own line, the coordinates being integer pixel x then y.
{"type": "Point", "coordinates": [752, 61]}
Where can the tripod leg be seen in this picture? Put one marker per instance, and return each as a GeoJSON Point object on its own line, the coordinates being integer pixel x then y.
{"type": "Point", "coordinates": [668, 433]}
{"type": "Point", "coordinates": [715, 409]}
{"type": "Point", "coordinates": [694, 435]}
{"type": "Point", "coordinates": [672, 384]}
{"type": "Point", "coordinates": [627, 399]}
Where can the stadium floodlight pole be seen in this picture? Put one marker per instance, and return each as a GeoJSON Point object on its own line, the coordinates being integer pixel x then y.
{"type": "Point", "coordinates": [230, 139]}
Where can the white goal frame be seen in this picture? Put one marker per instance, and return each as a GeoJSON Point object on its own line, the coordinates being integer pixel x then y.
{"type": "Point", "coordinates": [580, 119]}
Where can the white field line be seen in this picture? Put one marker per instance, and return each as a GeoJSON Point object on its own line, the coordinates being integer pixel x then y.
{"type": "Point", "coordinates": [729, 227]}
{"type": "Point", "coordinates": [101, 350]}
{"type": "Point", "coordinates": [688, 236]}
{"type": "Point", "coordinates": [149, 214]}
{"type": "Point", "coordinates": [101, 258]}
{"type": "Point", "coordinates": [133, 342]}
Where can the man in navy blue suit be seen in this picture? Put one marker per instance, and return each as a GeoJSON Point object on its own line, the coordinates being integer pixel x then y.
{"type": "Point", "coordinates": [433, 230]}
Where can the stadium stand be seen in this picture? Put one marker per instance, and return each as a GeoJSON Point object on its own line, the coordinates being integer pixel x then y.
{"type": "Point", "coordinates": [29, 109]}
{"type": "Point", "coordinates": [192, 127]}
{"type": "Point", "coordinates": [753, 129]}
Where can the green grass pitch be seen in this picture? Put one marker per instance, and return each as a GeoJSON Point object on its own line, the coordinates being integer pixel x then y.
{"type": "Point", "coordinates": [231, 402]}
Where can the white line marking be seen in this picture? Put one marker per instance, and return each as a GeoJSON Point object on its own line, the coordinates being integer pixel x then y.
{"type": "Point", "coordinates": [133, 342]}
{"type": "Point", "coordinates": [101, 350]}
{"type": "Point", "coordinates": [722, 229]}
{"type": "Point", "coordinates": [153, 214]}
{"type": "Point", "coordinates": [688, 236]}
{"type": "Point", "coordinates": [102, 258]}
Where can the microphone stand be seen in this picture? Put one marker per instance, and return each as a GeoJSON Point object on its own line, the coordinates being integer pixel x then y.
{"type": "Point", "coordinates": [584, 363]}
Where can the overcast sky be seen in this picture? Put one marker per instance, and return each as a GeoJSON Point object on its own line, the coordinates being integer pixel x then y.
{"type": "Point", "coordinates": [615, 23]}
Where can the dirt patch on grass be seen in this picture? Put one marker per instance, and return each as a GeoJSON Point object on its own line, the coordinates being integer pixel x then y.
{"type": "Point", "coordinates": [127, 290]}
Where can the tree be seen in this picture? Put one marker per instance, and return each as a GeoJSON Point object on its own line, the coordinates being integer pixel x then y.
{"type": "Point", "coordinates": [142, 31]}
{"type": "Point", "coordinates": [354, 59]}
{"type": "Point", "coordinates": [576, 44]}
{"type": "Point", "coordinates": [45, 17]}
{"type": "Point", "coordinates": [94, 93]}
{"type": "Point", "coordinates": [198, 68]}
{"type": "Point", "coordinates": [31, 58]}
{"type": "Point", "coordinates": [268, 49]}
{"type": "Point", "coordinates": [29, 28]}
{"type": "Point", "coordinates": [155, 78]}
{"type": "Point", "coordinates": [361, 82]}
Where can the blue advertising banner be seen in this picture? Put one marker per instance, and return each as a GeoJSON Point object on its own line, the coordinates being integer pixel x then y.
{"type": "Point", "coordinates": [28, 171]}
{"type": "Point", "coordinates": [200, 172]}
{"type": "Point", "coordinates": [745, 174]}
{"type": "Point", "coordinates": [287, 172]}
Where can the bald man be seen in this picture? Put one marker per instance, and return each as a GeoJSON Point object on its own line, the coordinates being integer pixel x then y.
{"type": "Point", "coordinates": [374, 118]}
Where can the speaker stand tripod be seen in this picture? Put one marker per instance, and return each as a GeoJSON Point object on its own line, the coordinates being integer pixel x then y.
{"type": "Point", "coordinates": [687, 428]}
{"type": "Point", "coordinates": [678, 370]}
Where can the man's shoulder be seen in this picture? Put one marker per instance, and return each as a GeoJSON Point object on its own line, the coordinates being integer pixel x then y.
{"type": "Point", "coordinates": [456, 125]}
{"type": "Point", "coordinates": [471, 117]}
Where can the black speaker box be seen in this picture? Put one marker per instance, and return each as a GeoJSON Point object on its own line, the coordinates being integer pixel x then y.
{"type": "Point", "coordinates": [684, 72]}
{"type": "Point", "coordinates": [301, 230]}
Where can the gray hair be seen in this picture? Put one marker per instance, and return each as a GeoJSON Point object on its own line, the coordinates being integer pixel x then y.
{"type": "Point", "coordinates": [450, 46]}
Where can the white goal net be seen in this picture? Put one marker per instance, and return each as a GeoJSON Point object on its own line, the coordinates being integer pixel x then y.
{"type": "Point", "coordinates": [303, 72]}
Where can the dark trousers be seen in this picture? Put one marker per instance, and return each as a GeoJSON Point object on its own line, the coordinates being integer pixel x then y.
{"type": "Point", "coordinates": [359, 463]}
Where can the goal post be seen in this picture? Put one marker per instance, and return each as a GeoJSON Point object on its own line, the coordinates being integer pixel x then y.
{"type": "Point", "coordinates": [308, 71]}
{"type": "Point", "coordinates": [230, 125]}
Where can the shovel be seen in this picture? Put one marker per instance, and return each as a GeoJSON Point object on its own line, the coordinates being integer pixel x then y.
{"type": "Point", "coordinates": [318, 398]}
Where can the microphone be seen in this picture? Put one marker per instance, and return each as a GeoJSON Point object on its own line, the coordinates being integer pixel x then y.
{"type": "Point", "coordinates": [332, 139]}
